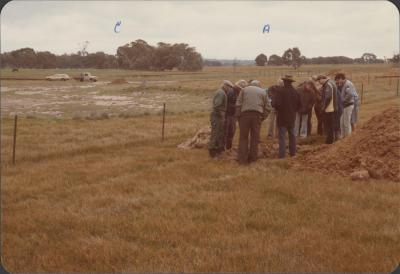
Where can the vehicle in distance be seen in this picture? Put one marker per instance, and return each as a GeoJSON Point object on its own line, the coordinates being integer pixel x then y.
{"type": "Point", "coordinates": [86, 76]}
{"type": "Point", "coordinates": [58, 76]}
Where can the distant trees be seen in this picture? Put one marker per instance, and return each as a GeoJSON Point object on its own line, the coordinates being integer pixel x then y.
{"type": "Point", "coordinates": [28, 58]}
{"type": "Point", "coordinates": [135, 55]}
{"type": "Point", "coordinates": [275, 60]}
{"type": "Point", "coordinates": [46, 59]}
{"type": "Point", "coordinates": [164, 56]}
{"type": "Point", "coordinates": [368, 58]}
{"type": "Point", "coordinates": [140, 55]}
{"type": "Point", "coordinates": [328, 60]}
{"type": "Point", "coordinates": [395, 59]}
{"type": "Point", "coordinates": [261, 59]}
{"type": "Point", "coordinates": [24, 57]}
{"type": "Point", "coordinates": [292, 57]}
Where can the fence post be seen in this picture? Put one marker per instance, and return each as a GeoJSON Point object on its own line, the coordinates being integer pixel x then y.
{"type": "Point", "coordinates": [15, 137]}
{"type": "Point", "coordinates": [362, 93]}
{"type": "Point", "coordinates": [397, 89]}
{"type": "Point", "coordinates": [163, 123]}
{"type": "Point", "coordinates": [368, 78]}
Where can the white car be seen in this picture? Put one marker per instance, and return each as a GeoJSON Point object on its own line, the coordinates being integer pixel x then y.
{"type": "Point", "coordinates": [60, 76]}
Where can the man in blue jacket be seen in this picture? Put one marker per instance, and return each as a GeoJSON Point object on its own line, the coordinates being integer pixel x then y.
{"type": "Point", "coordinates": [347, 92]}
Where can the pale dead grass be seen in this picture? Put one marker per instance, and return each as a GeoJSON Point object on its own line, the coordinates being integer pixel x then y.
{"type": "Point", "coordinates": [108, 196]}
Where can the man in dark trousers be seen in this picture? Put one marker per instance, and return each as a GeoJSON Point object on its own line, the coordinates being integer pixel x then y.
{"type": "Point", "coordinates": [217, 119]}
{"type": "Point", "coordinates": [329, 107]}
{"type": "Point", "coordinates": [286, 103]}
{"type": "Point", "coordinates": [252, 107]}
{"type": "Point", "coordinates": [307, 99]}
{"type": "Point", "coordinates": [230, 118]}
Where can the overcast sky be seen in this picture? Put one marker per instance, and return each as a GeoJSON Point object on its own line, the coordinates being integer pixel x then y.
{"type": "Point", "coordinates": [218, 29]}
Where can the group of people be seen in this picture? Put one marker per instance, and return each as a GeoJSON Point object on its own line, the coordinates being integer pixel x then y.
{"type": "Point", "coordinates": [288, 109]}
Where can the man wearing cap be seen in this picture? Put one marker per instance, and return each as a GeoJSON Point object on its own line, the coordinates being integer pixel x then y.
{"type": "Point", "coordinates": [329, 106]}
{"type": "Point", "coordinates": [252, 107]}
{"type": "Point", "coordinates": [286, 103]}
{"type": "Point", "coordinates": [216, 144]}
{"type": "Point", "coordinates": [230, 119]}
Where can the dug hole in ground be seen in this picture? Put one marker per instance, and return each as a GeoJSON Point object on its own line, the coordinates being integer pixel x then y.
{"type": "Point", "coordinates": [373, 151]}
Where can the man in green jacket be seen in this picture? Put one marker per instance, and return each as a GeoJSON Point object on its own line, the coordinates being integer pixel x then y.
{"type": "Point", "coordinates": [216, 144]}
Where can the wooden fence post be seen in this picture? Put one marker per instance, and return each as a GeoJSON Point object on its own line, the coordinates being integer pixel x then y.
{"type": "Point", "coordinates": [397, 89]}
{"type": "Point", "coordinates": [368, 78]}
{"type": "Point", "coordinates": [163, 124]}
{"type": "Point", "coordinates": [15, 137]}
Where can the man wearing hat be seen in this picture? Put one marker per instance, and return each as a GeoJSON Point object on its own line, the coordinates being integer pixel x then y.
{"type": "Point", "coordinates": [230, 119]}
{"type": "Point", "coordinates": [252, 107]}
{"type": "Point", "coordinates": [216, 144]}
{"type": "Point", "coordinates": [287, 104]}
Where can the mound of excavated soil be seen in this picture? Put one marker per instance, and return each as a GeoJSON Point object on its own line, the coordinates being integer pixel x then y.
{"type": "Point", "coordinates": [373, 150]}
{"type": "Point", "coordinates": [200, 139]}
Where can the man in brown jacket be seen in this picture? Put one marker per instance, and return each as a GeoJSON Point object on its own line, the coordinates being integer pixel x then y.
{"type": "Point", "coordinates": [252, 107]}
{"type": "Point", "coordinates": [307, 100]}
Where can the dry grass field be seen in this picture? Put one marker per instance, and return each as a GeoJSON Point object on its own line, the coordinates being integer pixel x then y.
{"type": "Point", "coordinates": [95, 190]}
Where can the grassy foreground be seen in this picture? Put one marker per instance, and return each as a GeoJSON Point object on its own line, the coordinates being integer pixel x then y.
{"type": "Point", "coordinates": [107, 196]}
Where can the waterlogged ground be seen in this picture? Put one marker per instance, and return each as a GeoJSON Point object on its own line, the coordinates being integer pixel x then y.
{"type": "Point", "coordinates": [75, 99]}
{"type": "Point", "coordinates": [131, 93]}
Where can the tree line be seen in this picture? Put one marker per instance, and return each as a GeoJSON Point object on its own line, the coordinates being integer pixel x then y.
{"type": "Point", "coordinates": [142, 56]}
{"type": "Point", "coordinates": [292, 57]}
{"type": "Point", "coordinates": [135, 55]}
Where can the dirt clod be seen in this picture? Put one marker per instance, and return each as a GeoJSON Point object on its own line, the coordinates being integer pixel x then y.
{"type": "Point", "coordinates": [361, 175]}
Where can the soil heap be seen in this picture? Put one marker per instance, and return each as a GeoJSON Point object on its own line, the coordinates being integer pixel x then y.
{"type": "Point", "coordinates": [200, 140]}
{"type": "Point", "coordinates": [374, 148]}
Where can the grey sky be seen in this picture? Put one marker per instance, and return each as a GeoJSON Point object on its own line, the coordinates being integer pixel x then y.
{"type": "Point", "coordinates": [218, 29]}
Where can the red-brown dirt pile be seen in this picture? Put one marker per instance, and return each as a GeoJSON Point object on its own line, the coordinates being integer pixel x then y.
{"type": "Point", "coordinates": [374, 148]}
